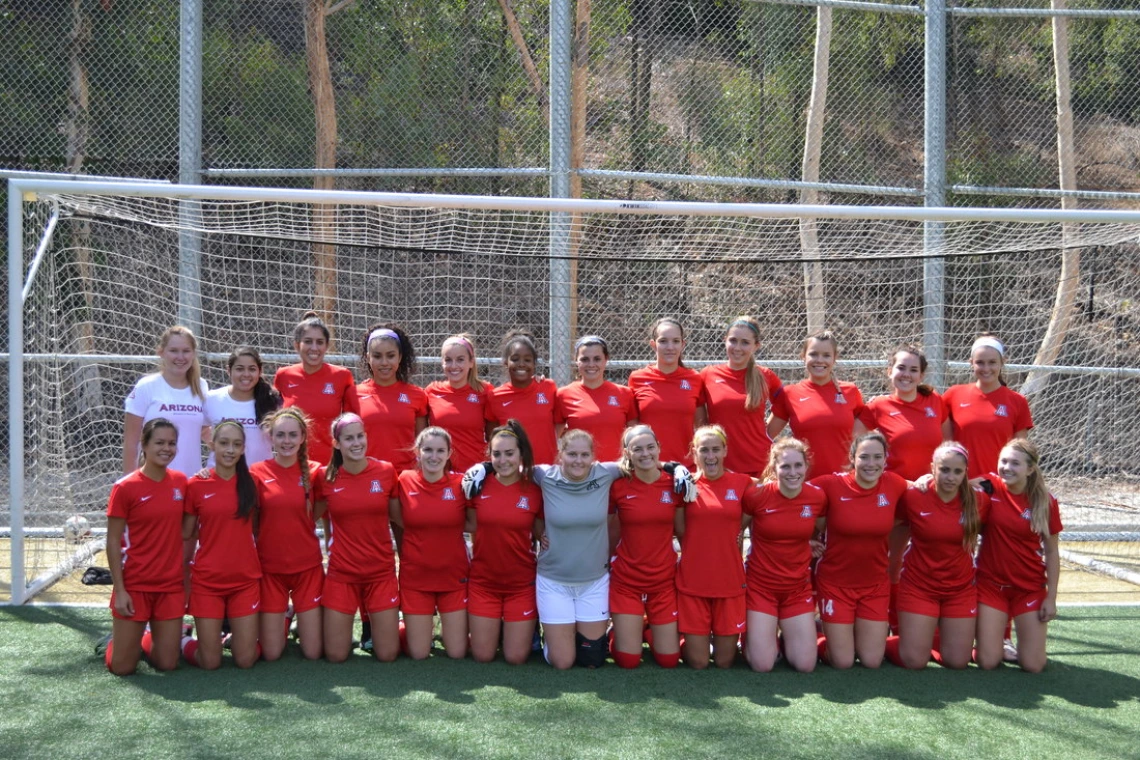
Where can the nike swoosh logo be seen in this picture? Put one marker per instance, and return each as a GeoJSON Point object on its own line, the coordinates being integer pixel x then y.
{"type": "Point", "coordinates": [338, 490]}
{"type": "Point", "coordinates": [394, 599]}
{"type": "Point", "coordinates": [846, 498]}
{"type": "Point", "coordinates": [293, 385]}
{"type": "Point", "coordinates": [806, 398]}
{"type": "Point", "coordinates": [528, 613]}
{"type": "Point", "coordinates": [144, 498]}
{"type": "Point", "coordinates": [270, 480]}
{"type": "Point", "coordinates": [508, 403]}
{"type": "Point", "coordinates": [208, 496]}
{"type": "Point", "coordinates": [808, 600]}
{"type": "Point", "coordinates": [740, 625]}
{"type": "Point", "coordinates": [1032, 604]}
{"type": "Point", "coordinates": [316, 599]}
{"type": "Point", "coordinates": [413, 493]}
{"type": "Point", "coordinates": [769, 511]}
{"type": "Point", "coordinates": [255, 605]}
{"type": "Point", "coordinates": [674, 613]}
{"type": "Point", "coordinates": [974, 611]}
{"type": "Point", "coordinates": [925, 514]}
{"type": "Point", "coordinates": [481, 497]}
{"type": "Point", "coordinates": [631, 496]}
{"type": "Point", "coordinates": [963, 406]}
{"type": "Point", "coordinates": [894, 414]}
{"type": "Point", "coordinates": [719, 380]}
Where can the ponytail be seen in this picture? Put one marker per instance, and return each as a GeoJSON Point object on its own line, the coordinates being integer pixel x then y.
{"type": "Point", "coordinates": [755, 389]}
{"type": "Point", "coordinates": [1036, 492]}
{"type": "Point", "coordinates": [336, 461]}
{"type": "Point", "coordinates": [923, 389]}
{"type": "Point", "coordinates": [514, 429]}
{"type": "Point", "coordinates": [246, 490]}
{"type": "Point", "coordinates": [299, 417]}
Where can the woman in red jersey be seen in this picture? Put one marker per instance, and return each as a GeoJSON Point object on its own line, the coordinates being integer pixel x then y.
{"type": "Point", "coordinates": [147, 568]}
{"type": "Point", "coordinates": [225, 574]}
{"type": "Point", "coordinates": [643, 510]}
{"type": "Point", "coordinates": [357, 494]}
{"type": "Point", "coordinates": [937, 593]}
{"type": "Point", "coordinates": [429, 517]}
{"type": "Point", "coordinates": [524, 398]}
{"type": "Point", "coordinates": [594, 404]}
{"type": "Point", "coordinates": [821, 410]}
{"type": "Point", "coordinates": [851, 576]}
{"type": "Point", "coordinates": [287, 544]}
{"type": "Point", "coordinates": [710, 574]}
{"type": "Point", "coordinates": [457, 403]}
{"type": "Point", "coordinates": [668, 393]}
{"type": "Point", "coordinates": [737, 394]}
{"type": "Point", "coordinates": [1018, 564]}
{"type": "Point", "coordinates": [785, 511]}
{"type": "Point", "coordinates": [986, 414]}
{"type": "Point", "coordinates": [394, 411]}
{"type": "Point", "coordinates": [323, 391]}
{"type": "Point", "coordinates": [505, 518]}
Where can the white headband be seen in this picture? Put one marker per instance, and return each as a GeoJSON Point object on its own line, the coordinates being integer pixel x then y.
{"type": "Point", "coordinates": [987, 342]}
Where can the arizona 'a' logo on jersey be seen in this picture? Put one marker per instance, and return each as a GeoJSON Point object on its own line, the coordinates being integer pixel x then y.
{"type": "Point", "coordinates": [840, 398]}
{"type": "Point", "coordinates": [930, 412]}
{"type": "Point", "coordinates": [613, 401]}
{"type": "Point", "coordinates": [730, 495]}
{"type": "Point", "coordinates": [524, 503]}
{"type": "Point", "coordinates": [472, 398]}
{"type": "Point", "coordinates": [685, 385]}
{"type": "Point", "coordinates": [806, 511]}
{"type": "Point", "coordinates": [1001, 411]}
{"type": "Point", "coordinates": [403, 399]}
{"type": "Point", "coordinates": [1027, 514]}
{"type": "Point", "coordinates": [541, 399]}
{"type": "Point", "coordinates": [666, 497]}
{"type": "Point", "coordinates": [375, 487]}
{"type": "Point", "coordinates": [883, 501]}
{"type": "Point", "coordinates": [329, 391]}
{"type": "Point", "coordinates": [178, 494]}
{"type": "Point", "coordinates": [448, 494]}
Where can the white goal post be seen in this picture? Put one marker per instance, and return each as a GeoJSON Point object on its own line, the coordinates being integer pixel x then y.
{"type": "Point", "coordinates": [96, 269]}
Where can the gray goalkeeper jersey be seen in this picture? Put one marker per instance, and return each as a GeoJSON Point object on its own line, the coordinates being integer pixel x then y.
{"type": "Point", "coordinates": [576, 516]}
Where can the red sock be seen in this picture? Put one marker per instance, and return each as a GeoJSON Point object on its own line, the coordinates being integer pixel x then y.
{"type": "Point", "coordinates": [1008, 629]}
{"type": "Point", "coordinates": [936, 655]}
{"type": "Point", "coordinates": [668, 661]}
{"type": "Point", "coordinates": [892, 608]}
{"type": "Point", "coordinates": [403, 639]}
{"type": "Point", "coordinates": [258, 651]}
{"type": "Point", "coordinates": [625, 659]}
{"type": "Point", "coordinates": [108, 653]}
{"type": "Point", "coordinates": [821, 647]}
{"type": "Point", "coordinates": [147, 643]}
{"type": "Point", "coordinates": [893, 651]}
{"type": "Point", "coordinates": [190, 650]}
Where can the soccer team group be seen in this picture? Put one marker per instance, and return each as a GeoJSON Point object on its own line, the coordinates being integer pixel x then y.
{"type": "Point", "coordinates": [912, 526]}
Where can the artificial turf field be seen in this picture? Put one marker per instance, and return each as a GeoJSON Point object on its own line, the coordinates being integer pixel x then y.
{"type": "Point", "coordinates": [60, 702]}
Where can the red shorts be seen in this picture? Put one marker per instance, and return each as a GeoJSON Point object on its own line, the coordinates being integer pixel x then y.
{"type": "Point", "coordinates": [956, 604]}
{"type": "Point", "coordinates": [154, 605]}
{"type": "Point", "coordinates": [782, 604]}
{"type": "Point", "coordinates": [427, 602]}
{"type": "Point", "coordinates": [370, 596]}
{"type": "Point", "coordinates": [237, 603]}
{"type": "Point", "coordinates": [724, 616]}
{"type": "Point", "coordinates": [306, 588]}
{"type": "Point", "coordinates": [1011, 600]}
{"type": "Point", "coordinates": [508, 606]}
{"type": "Point", "coordinates": [842, 605]}
{"type": "Point", "coordinates": [659, 606]}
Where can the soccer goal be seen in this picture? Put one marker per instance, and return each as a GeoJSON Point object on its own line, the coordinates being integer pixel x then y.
{"type": "Point", "coordinates": [97, 270]}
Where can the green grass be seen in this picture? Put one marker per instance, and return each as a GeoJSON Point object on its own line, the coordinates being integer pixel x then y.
{"type": "Point", "coordinates": [59, 701]}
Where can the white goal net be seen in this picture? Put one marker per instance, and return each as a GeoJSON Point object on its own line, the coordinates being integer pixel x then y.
{"type": "Point", "coordinates": [103, 269]}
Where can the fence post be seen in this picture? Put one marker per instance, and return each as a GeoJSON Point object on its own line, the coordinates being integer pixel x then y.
{"type": "Point", "coordinates": [189, 162]}
{"type": "Point", "coordinates": [16, 387]}
{"type": "Point", "coordinates": [934, 188]}
{"type": "Point", "coordinates": [561, 28]}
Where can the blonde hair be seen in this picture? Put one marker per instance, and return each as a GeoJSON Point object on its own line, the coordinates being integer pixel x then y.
{"type": "Point", "coordinates": [574, 434]}
{"type": "Point", "coordinates": [704, 432]}
{"type": "Point", "coordinates": [298, 416]}
{"type": "Point", "coordinates": [786, 443]}
{"type": "Point", "coordinates": [755, 389]}
{"type": "Point", "coordinates": [1036, 492]}
{"type": "Point", "coordinates": [971, 522]}
{"type": "Point", "coordinates": [194, 373]}
{"type": "Point", "coordinates": [625, 464]}
{"type": "Point", "coordinates": [467, 342]}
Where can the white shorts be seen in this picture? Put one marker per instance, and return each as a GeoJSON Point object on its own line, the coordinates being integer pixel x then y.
{"type": "Point", "coordinates": [562, 603]}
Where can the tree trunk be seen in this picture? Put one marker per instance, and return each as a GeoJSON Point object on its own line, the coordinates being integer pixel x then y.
{"type": "Point", "coordinates": [814, 296]}
{"type": "Point", "coordinates": [580, 62]}
{"type": "Point", "coordinates": [1062, 315]}
{"type": "Point", "coordinates": [78, 130]}
{"type": "Point", "coordinates": [324, 155]}
{"type": "Point", "coordinates": [532, 74]}
{"type": "Point", "coordinates": [643, 15]}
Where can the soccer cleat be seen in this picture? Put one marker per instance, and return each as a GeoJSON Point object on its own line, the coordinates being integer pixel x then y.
{"type": "Point", "coordinates": [102, 644]}
{"type": "Point", "coordinates": [1009, 651]}
{"type": "Point", "coordinates": [187, 629]}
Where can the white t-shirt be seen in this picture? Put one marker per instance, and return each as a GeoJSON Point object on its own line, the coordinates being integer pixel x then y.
{"type": "Point", "coordinates": [221, 406]}
{"type": "Point", "coordinates": [153, 397]}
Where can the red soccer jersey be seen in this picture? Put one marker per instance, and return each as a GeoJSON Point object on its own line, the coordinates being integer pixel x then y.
{"type": "Point", "coordinates": [1011, 553]}
{"type": "Point", "coordinates": [859, 521]}
{"type": "Point", "coordinates": [822, 416]}
{"type": "Point", "coordinates": [286, 533]}
{"type": "Point", "coordinates": [603, 412]}
{"type": "Point", "coordinates": [226, 558]}
{"type": "Point", "coordinates": [644, 559]}
{"type": "Point", "coordinates": [936, 562]}
{"type": "Point", "coordinates": [152, 541]}
{"type": "Point", "coordinates": [360, 545]}
{"type": "Point", "coordinates": [667, 403]}
{"type": "Point", "coordinates": [711, 564]}
{"type": "Point", "coordinates": [390, 413]}
{"type": "Point", "coordinates": [533, 406]}
{"type": "Point", "coordinates": [323, 396]}
{"type": "Point", "coordinates": [780, 558]}
{"type": "Point", "coordinates": [748, 441]}
{"type": "Point", "coordinates": [459, 411]}
{"type": "Point", "coordinates": [985, 422]}
{"type": "Point", "coordinates": [503, 551]}
{"type": "Point", "coordinates": [913, 431]}
{"type": "Point", "coordinates": [433, 555]}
